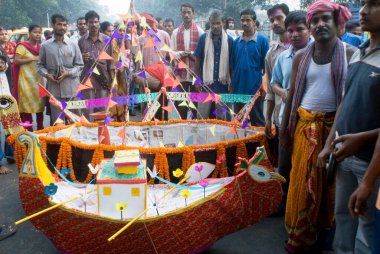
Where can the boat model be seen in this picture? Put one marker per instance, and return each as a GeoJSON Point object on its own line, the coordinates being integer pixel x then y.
{"type": "Point", "coordinates": [170, 218]}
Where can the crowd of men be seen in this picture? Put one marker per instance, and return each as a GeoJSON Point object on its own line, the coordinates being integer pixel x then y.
{"type": "Point", "coordinates": [321, 97]}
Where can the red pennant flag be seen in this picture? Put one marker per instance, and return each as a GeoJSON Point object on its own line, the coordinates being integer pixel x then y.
{"type": "Point", "coordinates": [181, 65]}
{"type": "Point", "coordinates": [168, 108]}
{"type": "Point", "coordinates": [149, 44]}
{"type": "Point", "coordinates": [42, 92]}
{"type": "Point", "coordinates": [156, 121]}
{"type": "Point", "coordinates": [86, 85]}
{"type": "Point", "coordinates": [122, 49]}
{"type": "Point", "coordinates": [111, 103]}
{"type": "Point", "coordinates": [233, 130]}
{"type": "Point", "coordinates": [104, 56]}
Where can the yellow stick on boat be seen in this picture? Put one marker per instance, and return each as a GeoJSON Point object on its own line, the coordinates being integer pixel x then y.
{"type": "Point", "coordinates": [143, 212]}
{"type": "Point", "coordinates": [48, 209]}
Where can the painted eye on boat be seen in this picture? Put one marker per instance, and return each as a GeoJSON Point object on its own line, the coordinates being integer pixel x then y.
{"type": "Point", "coordinates": [259, 173]}
{"type": "Point", "coordinates": [5, 103]}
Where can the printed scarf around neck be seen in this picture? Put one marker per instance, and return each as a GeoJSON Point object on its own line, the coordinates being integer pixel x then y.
{"type": "Point", "coordinates": [338, 76]}
{"type": "Point", "coordinates": [192, 45]}
{"type": "Point", "coordinates": [16, 68]}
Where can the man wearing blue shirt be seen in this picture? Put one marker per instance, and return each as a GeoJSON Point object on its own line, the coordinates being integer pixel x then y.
{"type": "Point", "coordinates": [247, 64]}
{"type": "Point", "coordinates": [212, 64]}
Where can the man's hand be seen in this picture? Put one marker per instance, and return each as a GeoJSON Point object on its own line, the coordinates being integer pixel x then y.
{"type": "Point", "coordinates": [358, 200]}
{"type": "Point", "coordinates": [86, 56]}
{"type": "Point", "coordinates": [323, 155]}
{"type": "Point", "coordinates": [351, 144]}
{"type": "Point", "coordinates": [268, 129]}
{"type": "Point", "coordinates": [284, 95]}
{"type": "Point", "coordinates": [51, 78]}
{"type": "Point", "coordinates": [64, 75]}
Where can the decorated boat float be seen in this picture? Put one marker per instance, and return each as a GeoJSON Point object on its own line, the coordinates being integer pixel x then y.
{"type": "Point", "coordinates": [119, 212]}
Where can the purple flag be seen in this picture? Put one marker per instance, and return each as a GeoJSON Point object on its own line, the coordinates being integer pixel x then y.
{"type": "Point", "coordinates": [244, 125]}
{"type": "Point", "coordinates": [80, 96]}
{"type": "Point", "coordinates": [175, 90]}
{"type": "Point", "coordinates": [131, 23]}
{"type": "Point", "coordinates": [156, 40]}
{"type": "Point", "coordinates": [198, 81]}
{"type": "Point", "coordinates": [142, 75]}
{"type": "Point", "coordinates": [64, 105]}
{"type": "Point", "coordinates": [151, 33]}
{"type": "Point", "coordinates": [107, 40]}
{"type": "Point", "coordinates": [117, 35]}
{"type": "Point", "coordinates": [126, 37]}
{"type": "Point", "coordinates": [113, 91]}
{"type": "Point", "coordinates": [107, 120]}
{"type": "Point", "coordinates": [90, 71]}
{"type": "Point", "coordinates": [215, 112]}
{"type": "Point", "coordinates": [62, 116]}
{"type": "Point", "coordinates": [224, 110]}
{"type": "Point", "coordinates": [119, 65]}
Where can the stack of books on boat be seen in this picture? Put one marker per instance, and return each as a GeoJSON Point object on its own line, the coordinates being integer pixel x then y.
{"type": "Point", "coordinates": [127, 161]}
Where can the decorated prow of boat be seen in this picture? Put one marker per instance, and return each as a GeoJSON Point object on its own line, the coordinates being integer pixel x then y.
{"type": "Point", "coordinates": [121, 213]}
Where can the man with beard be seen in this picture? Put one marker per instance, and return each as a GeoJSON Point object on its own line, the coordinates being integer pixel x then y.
{"type": "Point", "coordinates": [184, 41]}
{"type": "Point", "coordinates": [82, 29]}
{"type": "Point", "coordinates": [91, 45]}
{"type": "Point", "coordinates": [60, 62]}
{"type": "Point", "coordinates": [358, 123]}
{"type": "Point", "coordinates": [317, 82]}
{"type": "Point", "coordinates": [247, 64]}
{"type": "Point", "coordinates": [212, 64]}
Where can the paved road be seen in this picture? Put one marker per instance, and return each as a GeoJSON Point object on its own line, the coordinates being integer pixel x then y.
{"type": "Point", "coordinates": [266, 237]}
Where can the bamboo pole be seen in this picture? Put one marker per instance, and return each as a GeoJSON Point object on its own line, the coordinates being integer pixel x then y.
{"type": "Point", "coordinates": [143, 212]}
{"type": "Point", "coordinates": [50, 208]}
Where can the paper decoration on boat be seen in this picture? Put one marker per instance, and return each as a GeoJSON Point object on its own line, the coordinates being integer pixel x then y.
{"type": "Point", "coordinates": [50, 189]}
{"type": "Point", "coordinates": [177, 173]}
{"type": "Point", "coordinates": [199, 171]}
{"type": "Point", "coordinates": [185, 194]}
{"type": "Point", "coordinates": [155, 105]}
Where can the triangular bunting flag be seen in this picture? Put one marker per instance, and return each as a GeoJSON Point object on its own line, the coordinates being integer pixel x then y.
{"type": "Point", "coordinates": [142, 75]}
{"type": "Point", "coordinates": [83, 119]}
{"type": "Point", "coordinates": [233, 130]}
{"type": "Point", "coordinates": [63, 104]}
{"type": "Point", "coordinates": [149, 44]}
{"type": "Point", "coordinates": [58, 121]}
{"type": "Point", "coordinates": [111, 103]}
{"type": "Point", "coordinates": [104, 56]}
{"type": "Point", "coordinates": [156, 121]}
{"type": "Point", "coordinates": [171, 54]}
{"type": "Point", "coordinates": [96, 71]}
{"type": "Point", "coordinates": [191, 105]}
{"type": "Point", "coordinates": [232, 112]}
{"type": "Point", "coordinates": [161, 144]}
{"type": "Point", "coordinates": [181, 65]}
{"type": "Point", "coordinates": [121, 133]}
{"type": "Point", "coordinates": [180, 144]}
{"type": "Point", "coordinates": [151, 32]}
{"type": "Point", "coordinates": [42, 92]}
{"type": "Point", "coordinates": [198, 81]}
{"type": "Point", "coordinates": [108, 120]}
{"type": "Point", "coordinates": [217, 98]}
{"type": "Point", "coordinates": [138, 56]}
{"type": "Point", "coordinates": [166, 48]}
{"type": "Point", "coordinates": [86, 85]}
{"type": "Point", "coordinates": [194, 80]}
{"type": "Point", "coordinates": [209, 98]}
{"type": "Point", "coordinates": [212, 130]}
{"type": "Point", "coordinates": [244, 125]}
{"type": "Point", "coordinates": [117, 35]}
{"type": "Point", "coordinates": [69, 131]}
{"type": "Point", "coordinates": [168, 108]}
{"type": "Point", "coordinates": [183, 104]}
{"type": "Point", "coordinates": [80, 96]}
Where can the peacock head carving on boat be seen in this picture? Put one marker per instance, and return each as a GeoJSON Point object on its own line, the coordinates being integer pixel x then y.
{"type": "Point", "coordinates": [257, 169]}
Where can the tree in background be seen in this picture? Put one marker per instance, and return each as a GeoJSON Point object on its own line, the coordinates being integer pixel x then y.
{"type": "Point", "coordinates": [21, 13]}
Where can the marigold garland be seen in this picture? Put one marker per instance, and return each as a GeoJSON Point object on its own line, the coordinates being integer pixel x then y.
{"type": "Point", "coordinates": [65, 157]}
{"type": "Point", "coordinates": [221, 165]}
{"type": "Point", "coordinates": [162, 166]}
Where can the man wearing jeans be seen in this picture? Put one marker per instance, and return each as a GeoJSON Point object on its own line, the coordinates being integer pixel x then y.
{"type": "Point", "coordinates": [359, 113]}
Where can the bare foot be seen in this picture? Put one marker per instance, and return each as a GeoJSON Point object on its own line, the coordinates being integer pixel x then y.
{"type": "Point", "coordinates": [4, 170]}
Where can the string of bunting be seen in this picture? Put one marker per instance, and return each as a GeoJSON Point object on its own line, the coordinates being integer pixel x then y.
{"type": "Point", "coordinates": [140, 98]}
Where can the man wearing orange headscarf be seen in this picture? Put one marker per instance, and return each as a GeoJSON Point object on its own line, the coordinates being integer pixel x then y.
{"type": "Point", "coordinates": [316, 89]}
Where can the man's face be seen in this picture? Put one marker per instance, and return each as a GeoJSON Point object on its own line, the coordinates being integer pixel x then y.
{"type": "Point", "coordinates": [82, 27]}
{"type": "Point", "coordinates": [187, 14]}
{"type": "Point", "coordinates": [357, 31]}
{"type": "Point", "coordinates": [277, 21]}
{"type": "Point", "coordinates": [3, 36]}
{"type": "Point", "coordinates": [168, 27]}
{"type": "Point", "coordinates": [369, 15]}
{"type": "Point", "coordinates": [160, 24]}
{"type": "Point", "coordinates": [298, 34]}
{"type": "Point", "coordinates": [93, 25]}
{"type": "Point", "coordinates": [3, 65]}
{"type": "Point", "coordinates": [216, 25]}
{"type": "Point", "coordinates": [247, 23]}
{"type": "Point", "coordinates": [60, 27]}
{"type": "Point", "coordinates": [231, 25]}
{"type": "Point", "coordinates": [322, 26]}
